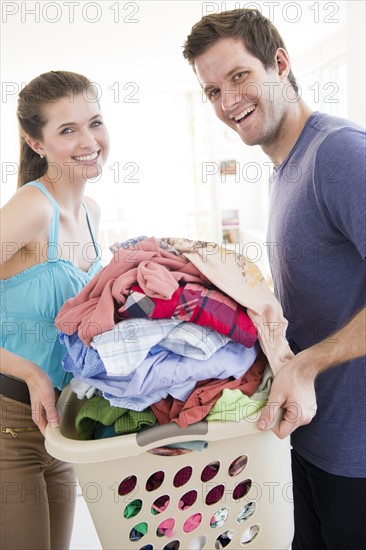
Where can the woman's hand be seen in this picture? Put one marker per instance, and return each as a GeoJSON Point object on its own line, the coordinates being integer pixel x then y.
{"type": "Point", "coordinates": [42, 393]}
{"type": "Point", "coordinates": [43, 400]}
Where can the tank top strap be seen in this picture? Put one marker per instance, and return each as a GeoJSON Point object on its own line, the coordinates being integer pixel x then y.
{"type": "Point", "coordinates": [53, 236]}
{"type": "Point", "coordinates": [96, 246]}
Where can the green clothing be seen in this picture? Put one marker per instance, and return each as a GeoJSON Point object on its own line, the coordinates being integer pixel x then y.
{"type": "Point", "coordinates": [98, 411]}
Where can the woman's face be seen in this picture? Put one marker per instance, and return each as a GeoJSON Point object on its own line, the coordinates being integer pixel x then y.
{"type": "Point", "coordinates": [75, 140]}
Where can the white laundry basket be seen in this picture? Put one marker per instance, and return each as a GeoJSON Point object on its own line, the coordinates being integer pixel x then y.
{"type": "Point", "coordinates": [247, 504]}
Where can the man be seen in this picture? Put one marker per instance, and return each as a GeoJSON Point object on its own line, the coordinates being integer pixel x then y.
{"type": "Point", "coordinates": [318, 212]}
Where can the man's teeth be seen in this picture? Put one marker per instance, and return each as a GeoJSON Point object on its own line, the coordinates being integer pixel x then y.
{"type": "Point", "coordinates": [246, 112]}
{"type": "Point", "coordinates": [92, 156]}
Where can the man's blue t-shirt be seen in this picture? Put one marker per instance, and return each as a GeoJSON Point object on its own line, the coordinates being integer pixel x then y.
{"type": "Point", "coordinates": [317, 249]}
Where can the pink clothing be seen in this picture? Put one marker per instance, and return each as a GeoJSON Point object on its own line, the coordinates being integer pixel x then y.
{"type": "Point", "coordinates": [95, 309]}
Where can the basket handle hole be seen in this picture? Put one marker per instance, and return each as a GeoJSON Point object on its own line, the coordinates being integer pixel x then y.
{"type": "Point", "coordinates": [250, 534]}
{"type": "Point", "coordinates": [224, 539]}
{"type": "Point", "coordinates": [238, 465]}
{"type": "Point", "coordinates": [138, 531]}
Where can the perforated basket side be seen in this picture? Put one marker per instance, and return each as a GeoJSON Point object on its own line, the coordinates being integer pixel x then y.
{"type": "Point", "coordinates": [120, 474]}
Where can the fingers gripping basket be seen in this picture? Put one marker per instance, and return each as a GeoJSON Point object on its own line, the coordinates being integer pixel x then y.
{"type": "Point", "coordinates": [235, 493]}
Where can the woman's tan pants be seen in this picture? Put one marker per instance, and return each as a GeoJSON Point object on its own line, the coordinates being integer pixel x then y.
{"type": "Point", "coordinates": [37, 490]}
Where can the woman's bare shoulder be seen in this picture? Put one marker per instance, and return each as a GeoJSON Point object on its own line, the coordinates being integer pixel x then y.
{"type": "Point", "coordinates": [25, 216]}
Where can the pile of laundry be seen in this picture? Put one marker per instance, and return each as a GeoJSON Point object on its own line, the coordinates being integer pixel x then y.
{"type": "Point", "coordinates": [171, 330]}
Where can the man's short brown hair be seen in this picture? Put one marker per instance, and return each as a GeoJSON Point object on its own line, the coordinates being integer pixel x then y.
{"type": "Point", "coordinates": [259, 35]}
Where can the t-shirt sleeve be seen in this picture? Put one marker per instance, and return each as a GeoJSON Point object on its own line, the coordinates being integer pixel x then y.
{"type": "Point", "coordinates": [340, 180]}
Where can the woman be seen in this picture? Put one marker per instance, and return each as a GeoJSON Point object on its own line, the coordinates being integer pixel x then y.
{"type": "Point", "coordinates": [48, 253]}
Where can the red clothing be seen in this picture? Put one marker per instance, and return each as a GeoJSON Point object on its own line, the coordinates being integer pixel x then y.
{"type": "Point", "coordinates": [207, 307]}
{"type": "Point", "coordinates": [205, 395]}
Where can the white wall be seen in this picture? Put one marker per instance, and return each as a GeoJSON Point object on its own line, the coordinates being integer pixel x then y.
{"type": "Point", "coordinates": [163, 133]}
{"type": "Point", "coordinates": [132, 50]}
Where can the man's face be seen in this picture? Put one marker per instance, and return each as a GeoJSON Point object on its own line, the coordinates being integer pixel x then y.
{"type": "Point", "coordinates": [245, 95]}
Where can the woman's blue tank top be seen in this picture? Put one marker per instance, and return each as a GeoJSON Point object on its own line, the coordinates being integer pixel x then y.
{"type": "Point", "coordinates": [31, 300]}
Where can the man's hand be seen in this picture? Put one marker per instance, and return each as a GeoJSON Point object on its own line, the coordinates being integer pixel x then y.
{"type": "Point", "coordinates": [292, 390]}
{"type": "Point", "coordinates": [293, 385]}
